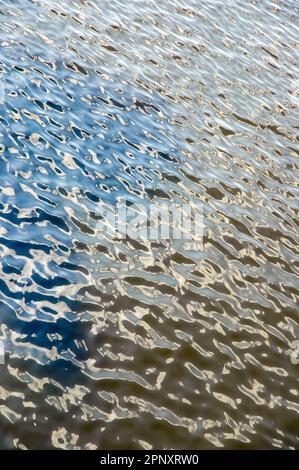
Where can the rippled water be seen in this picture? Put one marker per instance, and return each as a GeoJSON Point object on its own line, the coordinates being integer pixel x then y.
{"type": "Point", "coordinates": [119, 344]}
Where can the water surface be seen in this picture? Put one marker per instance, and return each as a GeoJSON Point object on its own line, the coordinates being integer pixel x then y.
{"type": "Point", "coordinates": [118, 344]}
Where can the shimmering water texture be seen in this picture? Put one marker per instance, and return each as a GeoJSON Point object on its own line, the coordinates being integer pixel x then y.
{"type": "Point", "coordinates": [127, 344]}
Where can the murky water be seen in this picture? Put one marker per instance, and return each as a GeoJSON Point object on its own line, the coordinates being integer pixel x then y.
{"type": "Point", "coordinates": [122, 344]}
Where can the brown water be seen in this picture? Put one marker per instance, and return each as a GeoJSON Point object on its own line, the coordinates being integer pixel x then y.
{"type": "Point", "coordinates": [119, 344]}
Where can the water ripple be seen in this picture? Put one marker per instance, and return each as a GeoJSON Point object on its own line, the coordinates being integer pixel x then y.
{"type": "Point", "coordinates": [126, 344]}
